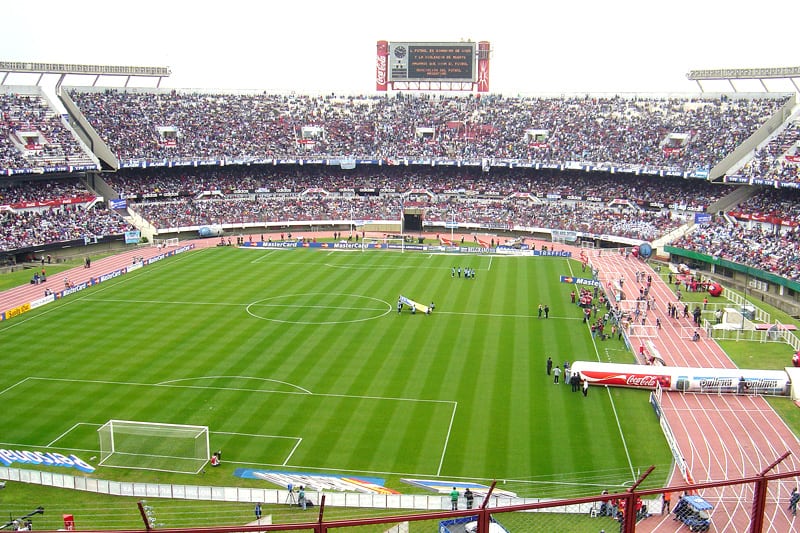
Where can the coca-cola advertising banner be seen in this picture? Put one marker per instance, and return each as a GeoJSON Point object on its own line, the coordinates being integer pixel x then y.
{"type": "Point", "coordinates": [763, 217]}
{"type": "Point", "coordinates": [55, 202]}
{"type": "Point", "coordinates": [716, 380]}
{"type": "Point", "coordinates": [382, 66]}
{"type": "Point", "coordinates": [483, 66]}
{"type": "Point", "coordinates": [642, 380]}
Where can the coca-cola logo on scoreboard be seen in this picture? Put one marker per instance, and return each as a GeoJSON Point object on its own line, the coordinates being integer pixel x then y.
{"type": "Point", "coordinates": [380, 70]}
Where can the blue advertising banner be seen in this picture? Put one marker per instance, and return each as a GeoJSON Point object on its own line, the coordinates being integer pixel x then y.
{"type": "Point", "coordinates": [133, 237]}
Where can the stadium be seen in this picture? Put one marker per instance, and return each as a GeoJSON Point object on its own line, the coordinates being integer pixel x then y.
{"type": "Point", "coordinates": [213, 299]}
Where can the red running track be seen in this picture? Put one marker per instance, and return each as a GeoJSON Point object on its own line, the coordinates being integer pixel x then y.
{"type": "Point", "coordinates": [720, 436]}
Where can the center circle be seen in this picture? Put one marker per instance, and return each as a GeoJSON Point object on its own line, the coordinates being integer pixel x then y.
{"type": "Point", "coordinates": [318, 308]}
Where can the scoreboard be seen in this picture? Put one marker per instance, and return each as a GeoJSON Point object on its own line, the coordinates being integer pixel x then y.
{"type": "Point", "coordinates": [432, 61]}
{"type": "Point", "coordinates": [432, 65]}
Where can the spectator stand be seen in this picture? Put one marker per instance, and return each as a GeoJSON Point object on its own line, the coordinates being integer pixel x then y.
{"type": "Point", "coordinates": [294, 129]}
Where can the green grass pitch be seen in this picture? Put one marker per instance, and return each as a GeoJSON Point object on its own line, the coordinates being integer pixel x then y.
{"type": "Point", "coordinates": [298, 360]}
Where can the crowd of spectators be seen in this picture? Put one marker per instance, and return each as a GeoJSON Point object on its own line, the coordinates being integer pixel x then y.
{"type": "Point", "coordinates": [39, 227]}
{"type": "Point", "coordinates": [45, 211]}
{"type": "Point", "coordinates": [172, 198]}
{"type": "Point", "coordinates": [670, 133]}
{"type": "Point", "coordinates": [571, 216]}
{"type": "Point", "coordinates": [598, 204]}
{"type": "Point", "coordinates": [771, 204]}
{"type": "Point", "coordinates": [188, 212]}
{"type": "Point", "coordinates": [766, 235]}
{"type": "Point", "coordinates": [768, 249]}
{"type": "Point", "coordinates": [694, 194]}
{"type": "Point", "coordinates": [779, 160]}
{"type": "Point", "coordinates": [34, 136]}
{"type": "Point", "coordinates": [26, 191]}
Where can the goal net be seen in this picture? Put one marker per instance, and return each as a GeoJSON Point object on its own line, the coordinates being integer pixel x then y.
{"type": "Point", "coordinates": [153, 446]}
{"type": "Point", "coordinates": [385, 243]}
{"type": "Point", "coordinates": [733, 318]}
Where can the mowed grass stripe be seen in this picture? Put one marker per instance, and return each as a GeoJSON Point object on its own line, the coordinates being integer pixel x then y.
{"type": "Point", "coordinates": [493, 339]}
{"type": "Point", "coordinates": [377, 345]}
{"type": "Point", "coordinates": [515, 341]}
{"type": "Point", "coordinates": [38, 418]}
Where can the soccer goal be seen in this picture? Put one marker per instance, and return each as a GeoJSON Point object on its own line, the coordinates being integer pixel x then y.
{"type": "Point", "coordinates": [733, 318]}
{"type": "Point", "coordinates": [384, 243]}
{"type": "Point", "coordinates": [153, 446]}
{"type": "Point", "coordinates": [163, 243]}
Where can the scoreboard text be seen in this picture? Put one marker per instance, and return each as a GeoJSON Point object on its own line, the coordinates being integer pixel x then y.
{"type": "Point", "coordinates": [432, 61]}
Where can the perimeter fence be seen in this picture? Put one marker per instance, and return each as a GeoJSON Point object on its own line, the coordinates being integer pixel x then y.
{"type": "Point", "coordinates": [753, 504]}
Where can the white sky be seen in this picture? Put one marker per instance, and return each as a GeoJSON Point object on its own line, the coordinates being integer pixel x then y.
{"type": "Point", "coordinates": [329, 45]}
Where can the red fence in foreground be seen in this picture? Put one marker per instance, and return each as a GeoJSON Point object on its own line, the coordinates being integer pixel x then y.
{"type": "Point", "coordinates": [754, 504]}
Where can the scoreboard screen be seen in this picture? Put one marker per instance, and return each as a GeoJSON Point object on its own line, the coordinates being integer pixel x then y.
{"type": "Point", "coordinates": [432, 61]}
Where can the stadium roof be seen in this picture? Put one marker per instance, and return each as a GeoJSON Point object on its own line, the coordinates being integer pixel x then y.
{"type": "Point", "coordinates": [64, 69]}
{"type": "Point", "coordinates": [760, 74]}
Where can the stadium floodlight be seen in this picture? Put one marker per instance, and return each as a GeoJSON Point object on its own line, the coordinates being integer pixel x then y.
{"type": "Point", "coordinates": [137, 445]}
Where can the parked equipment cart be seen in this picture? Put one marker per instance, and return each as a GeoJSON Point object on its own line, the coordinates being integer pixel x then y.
{"type": "Point", "coordinates": [694, 511]}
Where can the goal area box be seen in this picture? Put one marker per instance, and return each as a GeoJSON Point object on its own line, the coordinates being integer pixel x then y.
{"type": "Point", "coordinates": [154, 446]}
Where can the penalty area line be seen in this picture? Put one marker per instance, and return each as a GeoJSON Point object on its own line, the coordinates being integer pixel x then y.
{"type": "Point", "coordinates": [264, 255]}
{"type": "Point", "coordinates": [294, 448]}
{"type": "Point", "coordinates": [447, 438]}
{"type": "Point", "coordinates": [15, 385]}
{"type": "Point", "coordinates": [52, 442]}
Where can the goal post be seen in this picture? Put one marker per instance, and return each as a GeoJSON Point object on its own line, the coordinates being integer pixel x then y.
{"type": "Point", "coordinates": [176, 448]}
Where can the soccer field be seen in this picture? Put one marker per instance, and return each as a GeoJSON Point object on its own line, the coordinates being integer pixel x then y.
{"type": "Point", "coordinates": [298, 360]}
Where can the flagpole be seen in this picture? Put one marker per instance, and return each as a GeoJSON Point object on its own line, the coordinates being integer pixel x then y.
{"type": "Point", "coordinates": [402, 211]}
